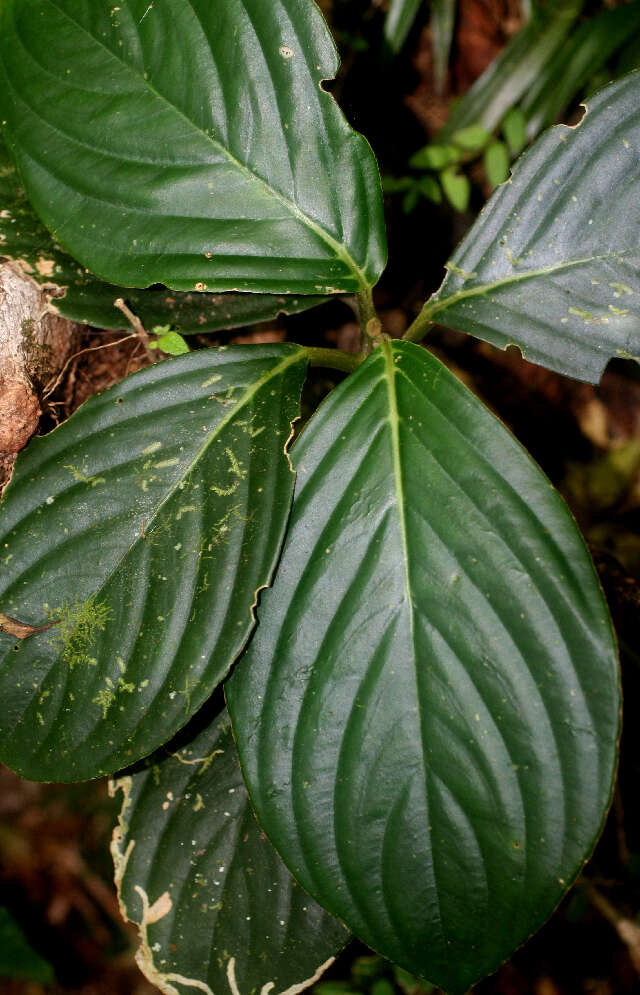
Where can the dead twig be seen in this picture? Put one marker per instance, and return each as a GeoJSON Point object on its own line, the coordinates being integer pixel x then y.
{"type": "Point", "coordinates": [135, 323]}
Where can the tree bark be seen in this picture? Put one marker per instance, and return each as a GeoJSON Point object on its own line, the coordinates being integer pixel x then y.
{"type": "Point", "coordinates": [34, 345]}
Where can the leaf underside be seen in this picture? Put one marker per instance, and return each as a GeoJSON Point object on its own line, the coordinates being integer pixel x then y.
{"type": "Point", "coordinates": [216, 906]}
{"type": "Point", "coordinates": [190, 143]}
{"type": "Point", "coordinates": [552, 264]}
{"type": "Point", "coordinates": [140, 530]}
{"type": "Point", "coordinates": [427, 714]}
{"type": "Point", "coordinates": [25, 240]}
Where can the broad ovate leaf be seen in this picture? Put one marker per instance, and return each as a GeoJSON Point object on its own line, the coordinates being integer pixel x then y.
{"type": "Point", "coordinates": [80, 296]}
{"type": "Point", "coordinates": [133, 540]}
{"type": "Point", "coordinates": [190, 143]}
{"type": "Point", "coordinates": [428, 712]}
{"type": "Point", "coordinates": [216, 907]}
{"type": "Point", "coordinates": [552, 264]}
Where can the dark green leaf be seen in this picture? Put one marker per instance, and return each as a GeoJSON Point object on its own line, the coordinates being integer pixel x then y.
{"type": "Point", "coordinates": [553, 263]}
{"type": "Point", "coordinates": [190, 143]}
{"type": "Point", "coordinates": [216, 907]}
{"type": "Point", "coordinates": [18, 959]}
{"type": "Point", "coordinates": [428, 713]}
{"type": "Point", "coordinates": [457, 188]}
{"type": "Point", "coordinates": [496, 163]}
{"type": "Point", "coordinates": [140, 532]}
{"type": "Point", "coordinates": [90, 301]}
{"type": "Point", "coordinates": [402, 14]}
{"type": "Point", "coordinates": [519, 64]}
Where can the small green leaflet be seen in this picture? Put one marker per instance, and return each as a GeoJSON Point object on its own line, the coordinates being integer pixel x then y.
{"type": "Point", "coordinates": [216, 907]}
{"type": "Point", "coordinates": [139, 532]}
{"type": "Point", "coordinates": [169, 342]}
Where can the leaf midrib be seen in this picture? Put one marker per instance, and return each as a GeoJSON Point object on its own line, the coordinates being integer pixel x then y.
{"type": "Point", "coordinates": [401, 504]}
{"type": "Point", "coordinates": [394, 421]}
{"type": "Point", "coordinates": [438, 304]}
{"type": "Point", "coordinates": [337, 247]}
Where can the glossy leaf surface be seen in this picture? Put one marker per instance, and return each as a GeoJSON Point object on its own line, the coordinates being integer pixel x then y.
{"type": "Point", "coordinates": [139, 532]}
{"type": "Point", "coordinates": [433, 680]}
{"type": "Point", "coordinates": [553, 262]}
{"type": "Point", "coordinates": [217, 908]}
{"type": "Point", "coordinates": [25, 240]}
{"type": "Point", "coordinates": [190, 143]}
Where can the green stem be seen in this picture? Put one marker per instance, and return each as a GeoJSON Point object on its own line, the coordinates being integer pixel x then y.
{"type": "Point", "coordinates": [334, 359]}
{"type": "Point", "coordinates": [420, 327]}
{"type": "Point", "coordinates": [370, 325]}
